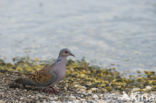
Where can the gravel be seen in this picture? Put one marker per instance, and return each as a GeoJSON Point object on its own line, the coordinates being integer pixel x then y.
{"type": "Point", "coordinates": [36, 95]}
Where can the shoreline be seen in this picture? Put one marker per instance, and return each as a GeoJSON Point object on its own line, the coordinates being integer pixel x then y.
{"type": "Point", "coordinates": [83, 83]}
{"type": "Point", "coordinates": [22, 95]}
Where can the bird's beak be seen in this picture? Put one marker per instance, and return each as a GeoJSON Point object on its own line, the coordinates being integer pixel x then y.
{"type": "Point", "coordinates": [72, 54]}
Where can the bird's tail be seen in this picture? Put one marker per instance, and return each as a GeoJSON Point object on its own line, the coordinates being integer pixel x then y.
{"type": "Point", "coordinates": [21, 81]}
{"type": "Point", "coordinates": [24, 81]}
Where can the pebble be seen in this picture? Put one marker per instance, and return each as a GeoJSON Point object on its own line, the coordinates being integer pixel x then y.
{"type": "Point", "coordinates": [1, 101]}
{"type": "Point", "coordinates": [72, 96]}
{"type": "Point", "coordinates": [94, 96]}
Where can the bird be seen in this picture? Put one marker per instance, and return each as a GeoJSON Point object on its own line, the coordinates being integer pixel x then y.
{"type": "Point", "coordinates": [49, 75]}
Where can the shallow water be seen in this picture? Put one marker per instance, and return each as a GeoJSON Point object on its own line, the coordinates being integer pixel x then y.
{"type": "Point", "coordinates": [120, 32]}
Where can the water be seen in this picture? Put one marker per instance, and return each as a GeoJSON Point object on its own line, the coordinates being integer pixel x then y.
{"type": "Point", "coordinates": [120, 32]}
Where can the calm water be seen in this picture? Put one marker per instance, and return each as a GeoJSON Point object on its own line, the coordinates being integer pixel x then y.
{"type": "Point", "coordinates": [120, 32]}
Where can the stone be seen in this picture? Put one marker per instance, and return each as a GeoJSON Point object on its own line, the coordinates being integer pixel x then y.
{"type": "Point", "coordinates": [94, 96]}
{"type": "Point", "coordinates": [1, 101]}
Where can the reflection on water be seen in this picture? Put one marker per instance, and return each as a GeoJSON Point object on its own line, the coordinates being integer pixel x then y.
{"type": "Point", "coordinates": [121, 32]}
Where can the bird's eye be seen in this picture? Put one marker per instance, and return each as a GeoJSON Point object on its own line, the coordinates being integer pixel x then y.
{"type": "Point", "coordinates": [66, 52]}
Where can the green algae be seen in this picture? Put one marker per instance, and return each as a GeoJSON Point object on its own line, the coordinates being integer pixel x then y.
{"type": "Point", "coordinates": [82, 76]}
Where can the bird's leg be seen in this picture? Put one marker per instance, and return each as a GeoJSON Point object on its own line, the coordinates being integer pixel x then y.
{"type": "Point", "coordinates": [48, 90]}
{"type": "Point", "coordinates": [54, 90]}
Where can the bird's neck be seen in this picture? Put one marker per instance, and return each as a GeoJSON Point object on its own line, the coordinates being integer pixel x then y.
{"type": "Point", "coordinates": [61, 59]}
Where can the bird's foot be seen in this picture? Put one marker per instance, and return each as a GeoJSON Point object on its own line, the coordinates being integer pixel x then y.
{"type": "Point", "coordinates": [54, 90]}
{"type": "Point", "coordinates": [48, 91]}
{"type": "Point", "coordinates": [51, 91]}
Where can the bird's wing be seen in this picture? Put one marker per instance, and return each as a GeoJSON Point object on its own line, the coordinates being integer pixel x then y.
{"type": "Point", "coordinates": [42, 77]}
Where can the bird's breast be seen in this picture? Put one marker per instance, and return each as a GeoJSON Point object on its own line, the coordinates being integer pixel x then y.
{"type": "Point", "coordinates": [60, 70]}
{"type": "Point", "coordinates": [61, 75]}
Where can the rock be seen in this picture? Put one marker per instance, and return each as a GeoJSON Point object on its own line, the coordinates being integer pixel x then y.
{"type": "Point", "coordinates": [101, 101]}
{"type": "Point", "coordinates": [72, 97]}
{"type": "Point", "coordinates": [94, 96]}
{"type": "Point", "coordinates": [135, 89]}
{"type": "Point", "coordinates": [148, 88]}
{"type": "Point", "coordinates": [1, 101]}
{"type": "Point", "coordinates": [92, 90]}
{"type": "Point", "coordinates": [89, 91]}
{"type": "Point", "coordinates": [73, 94]}
{"type": "Point", "coordinates": [83, 100]}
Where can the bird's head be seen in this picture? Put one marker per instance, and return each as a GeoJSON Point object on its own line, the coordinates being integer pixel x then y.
{"type": "Point", "coordinates": [66, 52]}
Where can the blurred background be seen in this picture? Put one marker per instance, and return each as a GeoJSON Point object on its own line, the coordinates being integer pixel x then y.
{"type": "Point", "coordinates": [120, 33]}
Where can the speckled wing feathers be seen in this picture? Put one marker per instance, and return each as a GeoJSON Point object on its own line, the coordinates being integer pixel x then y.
{"type": "Point", "coordinates": [39, 78]}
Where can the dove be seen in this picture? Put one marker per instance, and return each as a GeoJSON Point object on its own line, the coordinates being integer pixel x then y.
{"type": "Point", "coordinates": [49, 75]}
